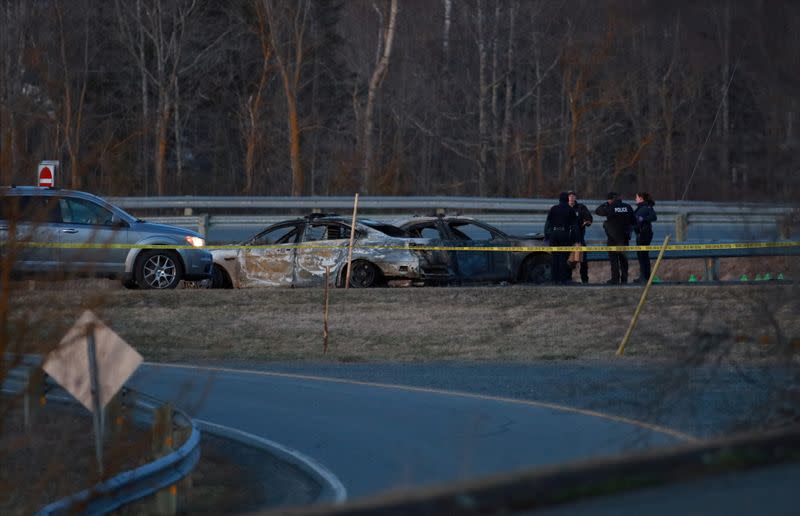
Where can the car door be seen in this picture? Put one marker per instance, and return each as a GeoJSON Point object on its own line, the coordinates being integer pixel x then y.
{"type": "Point", "coordinates": [34, 220]}
{"type": "Point", "coordinates": [324, 244]}
{"type": "Point", "coordinates": [272, 264]}
{"type": "Point", "coordinates": [436, 232]}
{"type": "Point", "coordinates": [475, 264]}
{"type": "Point", "coordinates": [85, 223]}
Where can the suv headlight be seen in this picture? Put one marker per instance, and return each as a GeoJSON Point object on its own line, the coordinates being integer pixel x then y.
{"type": "Point", "coordinates": [195, 241]}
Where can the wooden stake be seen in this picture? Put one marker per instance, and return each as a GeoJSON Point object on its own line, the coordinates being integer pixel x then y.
{"type": "Point", "coordinates": [325, 318]}
{"type": "Point", "coordinates": [350, 248]}
{"type": "Point", "coordinates": [621, 350]}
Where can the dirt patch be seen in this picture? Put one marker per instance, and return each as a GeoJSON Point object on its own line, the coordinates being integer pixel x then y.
{"type": "Point", "coordinates": [55, 458]}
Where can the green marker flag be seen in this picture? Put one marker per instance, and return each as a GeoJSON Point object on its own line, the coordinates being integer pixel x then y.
{"type": "Point", "coordinates": [744, 277]}
{"type": "Point", "coordinates": [692, 279]}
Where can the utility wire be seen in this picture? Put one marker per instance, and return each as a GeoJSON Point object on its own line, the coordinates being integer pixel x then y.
{"type": "Point", "coordinates": [711, 129]}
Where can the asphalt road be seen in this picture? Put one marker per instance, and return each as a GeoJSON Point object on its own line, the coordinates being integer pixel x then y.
{"type": "Point", "coordinates": [770, 490]}
{"type": "Point", "coordinates": [376, 437]}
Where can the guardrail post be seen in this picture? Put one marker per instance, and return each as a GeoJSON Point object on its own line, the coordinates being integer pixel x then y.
{"type": "Point", "coordinates": [34, 394]}
{"type": "Point", "coordinates": [188, 211]}
{"type": "Point", "coordinates": [681, 226]}
{"type": "Point", "coordinates": [115, 419]}
{"type": "Point", "coordinates": [784, 227]}
{"type": "Point", "coordinates": [165, 500]}
{"type": "Point", "coordinates": [712, 269]}
{"type": "Point", "coordinates": [202, 225]}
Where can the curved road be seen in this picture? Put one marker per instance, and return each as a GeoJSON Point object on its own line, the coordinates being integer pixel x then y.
{"type": "Point", "coordinates": [377, 437]}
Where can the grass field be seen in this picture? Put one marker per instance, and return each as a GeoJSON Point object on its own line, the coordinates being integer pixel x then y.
{"type": "Point", "coordinates": [497, 323]}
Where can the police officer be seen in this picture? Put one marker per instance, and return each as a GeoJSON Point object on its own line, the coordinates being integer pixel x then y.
{"type": "Point", "coordinates": [645, 215]}
{"type": "Point", "coordinates": [561, 229]}
{"type": "Point", "coordinates": [618, 225]}
{"type": "Point", "coordinates": [585, 219]}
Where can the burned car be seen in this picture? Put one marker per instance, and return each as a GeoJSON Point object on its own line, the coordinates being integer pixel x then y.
{"type": "Point", "coordinates": [475, 265]}
{"type": "Point", "coordinates": [296, 253]}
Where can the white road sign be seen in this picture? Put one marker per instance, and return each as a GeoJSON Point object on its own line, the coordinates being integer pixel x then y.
{"type": "Point", "coordinates": [69, 363]}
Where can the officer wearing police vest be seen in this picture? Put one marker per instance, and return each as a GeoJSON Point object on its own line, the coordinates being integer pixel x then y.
{"type": "Point", "coordinates": [618, 225]}
{"type": "Point", "coordinates": [562, 229]}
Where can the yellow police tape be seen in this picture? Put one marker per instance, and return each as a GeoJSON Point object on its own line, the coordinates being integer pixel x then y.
{"type": "Point", "coordinates": [542, 248]}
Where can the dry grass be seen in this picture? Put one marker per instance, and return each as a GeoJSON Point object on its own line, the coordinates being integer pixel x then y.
{"type": "Point", "coordinates": [55, 457]}
{"type": "Point", "coordinates": [499, 323]}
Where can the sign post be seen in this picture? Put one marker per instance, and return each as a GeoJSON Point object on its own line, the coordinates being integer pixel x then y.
{"type": "Point", "coordinates": [97, 411]}
{"type": "Point", "coordinates": [92, 363]}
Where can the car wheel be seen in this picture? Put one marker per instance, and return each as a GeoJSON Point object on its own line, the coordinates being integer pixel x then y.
{"type": "Point", "coordinates": [363, 275]}
{"type": "Point", "coordinates": [219, 279]}
{"type": "Point", "coordinates": [537, 270]}
{"type": "Point", "coordinates": [157, 269]}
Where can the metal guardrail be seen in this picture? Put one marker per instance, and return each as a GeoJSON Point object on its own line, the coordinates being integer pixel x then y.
{"type": "Point", "coordinates": [132, 485]}
{"type": "Point", "coordinates": [411, 204]}
{"type": "Point", "coordinates": [227, 219]}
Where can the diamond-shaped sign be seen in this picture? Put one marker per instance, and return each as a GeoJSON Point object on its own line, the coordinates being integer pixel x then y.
{"type": "Point", "coordinates": [69, 363]}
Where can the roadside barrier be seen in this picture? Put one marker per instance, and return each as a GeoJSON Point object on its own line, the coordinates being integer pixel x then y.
{"type": "Point", "coordinates": [542, 248]}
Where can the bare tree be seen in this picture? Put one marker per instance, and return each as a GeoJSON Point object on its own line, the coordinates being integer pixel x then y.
{"type": "Point", "coordinates": [155, 34]}
{"type": "Point", "coordinates": [483, 91]}
{"type": "Point", "coordinates": [74, 83]}
{"type": "Point", "coordinates": [385, 42]}
{"type": "Point", "coordinates": [287, 29]}
{"type": "Point", "coordinates": [253, 95]}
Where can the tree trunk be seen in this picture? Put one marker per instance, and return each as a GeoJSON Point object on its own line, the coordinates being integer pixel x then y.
{"type": "Point", "coordinates": [144, 156]}
{"type": "Point", "coordinates": [298, 179]}
{"type": "Point", "coordinates": [73, 107]}
{"type": "Point", "coordinates": [160, 158]}
{"type": "Point", "coordinates": [177, 124]}
{"type": "Point", "coordinates": [538, 173]}
{"type": "Point", "coordinates": [724, 127]}
{"type": "Point", "coordinates": [377, 76]}
{"type": "Point", "coordinates": [483, 127]}
{"type": "Point", "coordinates": [507, 114]}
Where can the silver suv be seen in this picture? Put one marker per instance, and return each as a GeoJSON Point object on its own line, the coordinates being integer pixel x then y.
{"type": "Point", "coordinates": [32, 216]}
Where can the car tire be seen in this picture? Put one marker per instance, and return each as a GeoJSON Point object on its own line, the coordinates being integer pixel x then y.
{"type": "Point", "coordinates": [157, 269]}
{"type": "Point", "coordinates": [219, 278]}
{"type": "Point", "coordinates": [363, 274]}
{"type": "Point", "coordinates": [536, 269]}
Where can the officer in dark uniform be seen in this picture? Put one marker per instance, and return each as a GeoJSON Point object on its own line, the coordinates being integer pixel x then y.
{"type": "Point", "coordinates": [618, 225]}
{"type": "Point", "coordinates": [645, 215]}
{"type": "Point", "coordinates": [561, 229]}
{"type": "Point", "coordinates": [585, 219]}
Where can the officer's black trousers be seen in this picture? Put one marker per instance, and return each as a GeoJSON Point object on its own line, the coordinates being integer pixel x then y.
{"type": "Point", "coordinates": [584, 267]}
{"type": "Point", "coordinates": [560, 267]}
{"type": "Point", "coordinates": [619, 264]}
{"type": "Point", "coordinates": [644, 256]}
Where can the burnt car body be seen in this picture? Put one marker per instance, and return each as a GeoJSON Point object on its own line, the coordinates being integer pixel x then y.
{"type": "Point", "coordinates": [296, 252]}
{"type": "Point", "coordinates": [476, 265]}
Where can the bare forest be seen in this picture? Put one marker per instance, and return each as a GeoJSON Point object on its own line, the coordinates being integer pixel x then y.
{"type": "Point", "coordinates": [508, 98]}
